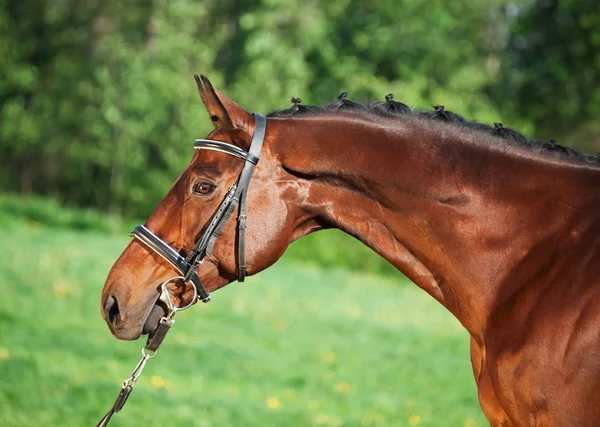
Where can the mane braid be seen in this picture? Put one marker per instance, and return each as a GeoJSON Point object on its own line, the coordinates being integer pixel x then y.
{"type": "Point", "coordinates": [391, 108]}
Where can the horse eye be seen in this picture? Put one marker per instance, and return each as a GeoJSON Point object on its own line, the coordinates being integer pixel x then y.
{"type": "Point", "coordinates": [203, 188]}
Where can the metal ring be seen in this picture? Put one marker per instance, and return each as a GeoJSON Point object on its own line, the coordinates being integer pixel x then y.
{"type": "Point", "coordinates": [148, 354]}
{"type": "Point", "coordinates": [165, 295]}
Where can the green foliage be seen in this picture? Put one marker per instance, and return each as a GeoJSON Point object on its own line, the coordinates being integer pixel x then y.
{"type": "Point", "coordinates": [110, 100]}
{"type": "Point", "coordinates": [98, 103]}
{"type": "Point", "coordinates": [294, 346]}
{"type": "Point", "coordinates": [551, 74]}
{"type": "Point", "coordinates": [335, 249]}
{"type": "Point", "coordinates": [48, 212]}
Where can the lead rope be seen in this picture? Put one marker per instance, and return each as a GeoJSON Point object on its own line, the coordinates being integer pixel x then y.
{"type": "Point", "coordinates": [150, 349]}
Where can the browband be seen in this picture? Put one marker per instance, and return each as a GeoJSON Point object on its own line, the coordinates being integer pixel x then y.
{"type": "Point", "coordinates": [223, 147]}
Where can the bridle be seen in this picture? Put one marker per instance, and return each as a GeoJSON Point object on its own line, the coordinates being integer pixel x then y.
{"type": "Point", "coordinates": [235, 196]}
{"type": "Point", "coordinates": [186, 267]}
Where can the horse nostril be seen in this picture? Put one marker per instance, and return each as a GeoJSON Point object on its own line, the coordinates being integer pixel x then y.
{"type": "Point", "coordinates": [111, 308]}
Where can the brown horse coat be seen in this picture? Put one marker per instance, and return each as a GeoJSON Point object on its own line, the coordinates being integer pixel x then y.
{"type": "Point", "coordinates": [505, 235]}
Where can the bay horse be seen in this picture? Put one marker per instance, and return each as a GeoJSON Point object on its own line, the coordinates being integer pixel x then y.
{"type": "Point", "coordinates": [503, 231]}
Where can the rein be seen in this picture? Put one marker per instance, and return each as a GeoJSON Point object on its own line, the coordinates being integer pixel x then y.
{"type": "Point", "coordinates": [236, 196]}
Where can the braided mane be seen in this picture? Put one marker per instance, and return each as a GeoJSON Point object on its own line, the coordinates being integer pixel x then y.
{"type": "Point", "coordinates": [391, 108]}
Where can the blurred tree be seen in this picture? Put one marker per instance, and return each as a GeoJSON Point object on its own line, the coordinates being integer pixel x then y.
{"type": "Point", "coordinates": [552, 70]}
{"type": "Point", "coordinates": [98, 104]}
{"type": "Point", "coordinates": [428, 52]}
{"type": "Point", "coordinates": [43, 50]}
{"type": "Point", "coordinates": [96, 95]}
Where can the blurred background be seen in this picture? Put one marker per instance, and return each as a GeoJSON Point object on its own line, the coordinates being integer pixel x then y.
{"type": "Point", "coordinates": [98, 109]}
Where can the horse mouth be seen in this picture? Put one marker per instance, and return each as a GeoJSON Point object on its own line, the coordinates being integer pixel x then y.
{"type": "Point", "coordinates": [159, 310]}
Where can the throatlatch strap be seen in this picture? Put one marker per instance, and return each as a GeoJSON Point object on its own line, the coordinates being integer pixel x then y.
{"type": "Point", "coordinates": [217, 232]}
{"type": "Point", "coordinates": [260, 128]}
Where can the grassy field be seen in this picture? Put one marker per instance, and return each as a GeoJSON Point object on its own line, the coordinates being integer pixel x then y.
{"type": "Point", "coordinates": [295, 346]}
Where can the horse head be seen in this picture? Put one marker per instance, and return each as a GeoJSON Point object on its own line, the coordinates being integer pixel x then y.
{"type": "Point", "coordinates": [197, 201]}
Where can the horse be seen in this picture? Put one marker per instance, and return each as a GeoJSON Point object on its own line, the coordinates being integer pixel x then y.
{"type": "Point", "coordinates": [503, 231]}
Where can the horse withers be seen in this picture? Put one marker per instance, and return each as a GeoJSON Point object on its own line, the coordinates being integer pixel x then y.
{"type": "Point", "coordinates": [501, 230]}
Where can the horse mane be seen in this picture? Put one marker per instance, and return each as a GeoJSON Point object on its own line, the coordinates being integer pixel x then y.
{"type": "Point", "coordinates": [390, 109]}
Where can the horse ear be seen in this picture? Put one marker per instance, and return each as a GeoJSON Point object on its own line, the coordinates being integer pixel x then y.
{"type": "Point", "coordinates": [223, 111]}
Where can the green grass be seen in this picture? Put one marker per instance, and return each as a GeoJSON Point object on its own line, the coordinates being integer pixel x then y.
{"type": "Point", "coordinates": [295, 346]}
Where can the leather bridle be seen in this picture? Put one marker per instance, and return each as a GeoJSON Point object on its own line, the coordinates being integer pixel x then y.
{"type": "Point", "coordinates": [236, 196]}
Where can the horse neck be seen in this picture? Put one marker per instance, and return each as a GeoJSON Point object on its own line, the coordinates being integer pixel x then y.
{"type": "Point", "coordinates": [455, 216]}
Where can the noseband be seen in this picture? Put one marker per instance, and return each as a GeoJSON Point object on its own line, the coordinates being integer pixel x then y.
{"type": "Point", "coordinates": [236, 196]}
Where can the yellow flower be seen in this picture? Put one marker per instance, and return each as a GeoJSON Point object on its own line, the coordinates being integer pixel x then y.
{"type": "Point", "coordinates": [289, 394]}
{"type": "Point", "coordinates": [4, 354]}
{"type": "Point", "coordinates": [279, 326]}
{"type": "Point", "coordinates": [328, 356]}
{"type": "Point", "coordinates": [321, 419]}
{"type": "Point", "coordinates": [157, 381]}
{"type": "Point", "coordinates": [313, 405]}
{"type": "Point", "coordinates": [273, 402]}
{"type": "Point", "coordinates": [249, 366]}
{"type": "Point", "coordinates": [328, 374]}
{"type": "Point", "coordinates": [61, 289]}
{"type": "Point", "coordinates": [469, 422]}
{"type": "Point", "coordinates": [181, 337]}
{"type": "Point", "coordinates": [343, 387]}
{"type": "Point", "coordinates": [371, 417]}
{"type": "Point", "coordinates": [414, 419]}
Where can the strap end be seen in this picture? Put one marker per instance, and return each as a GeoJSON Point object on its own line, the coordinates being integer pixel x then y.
{"type": "Point", "coordinates": [104, 421]}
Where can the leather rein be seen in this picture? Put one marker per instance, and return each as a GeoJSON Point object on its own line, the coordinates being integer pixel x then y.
{"type": "Point", "coordinates": [186, 267]}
